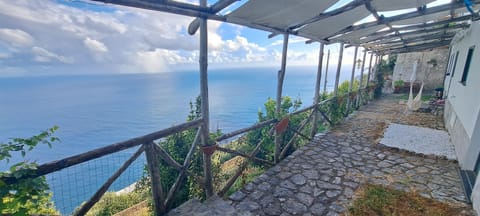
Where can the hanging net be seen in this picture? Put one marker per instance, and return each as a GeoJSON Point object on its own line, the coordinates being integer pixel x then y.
{"type": "Point", "coordinates": [413, 104]}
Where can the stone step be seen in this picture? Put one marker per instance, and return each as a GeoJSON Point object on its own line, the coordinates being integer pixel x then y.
{"type": "Point", "coordinates": [214, 206]}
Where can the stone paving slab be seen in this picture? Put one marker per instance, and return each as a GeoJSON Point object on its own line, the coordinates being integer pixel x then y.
{"type": "Point", "coordinates": [419, 140]}
{"type": "Point", "coordinates": [321, 177]}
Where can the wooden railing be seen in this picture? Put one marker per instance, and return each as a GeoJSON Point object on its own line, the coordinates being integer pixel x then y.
{"type": "Point", "coordinates": [162, 200]}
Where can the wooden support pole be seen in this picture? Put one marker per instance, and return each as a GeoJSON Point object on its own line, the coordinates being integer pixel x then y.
{"type": "Point", "coordinates": [360, 87]}
{"type": "Point", "coordinates": [339, 68]}
{"type": "Point", "coordinates": [326, 73]}
{"type": "Point", "coordinates": [377, 67]}
{"type": "Point", "coordinates": [352, 79]}
{"type": "Point", "coordinates": [316, 97]}
{"type": "Point", "coordinates": [207, 158]}
{"type": "Point", "coordinates": [369, 69]}
{"type": "Point", "coordinates": [94, 199]}
{"type": "Point", "coordinates": [153, 164]}
{"type": "Point", "coordinates": [281, 76]}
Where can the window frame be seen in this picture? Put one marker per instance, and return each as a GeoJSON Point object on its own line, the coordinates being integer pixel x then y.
{"type": "Point", "coordinates": [455, 60]}
{"type": "Point", "coordinates": [468, 62]}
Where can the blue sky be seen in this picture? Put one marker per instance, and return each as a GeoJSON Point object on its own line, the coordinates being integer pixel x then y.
{"type": "Point", "coordinates": [40, 37]}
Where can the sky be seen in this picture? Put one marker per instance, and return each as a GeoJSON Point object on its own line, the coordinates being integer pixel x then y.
{"type": "Point", "coordinates": [43, 37]}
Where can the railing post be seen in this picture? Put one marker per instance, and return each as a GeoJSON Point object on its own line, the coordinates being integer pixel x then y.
{"type": "Point", "coordinates": [281, 76]}
{"type": "Point", "coordinates": [368, 76]}
{"type": "Point", "coordinates": [352, 79]}
{"type": "Point", "coordinates": [377, 67]}
{"type": "Point", "coordinates": [339, 68]}
{"type": "Point", "coordinates": [326, 73]}
{"type": "Point", "coordinates": [207, 158]}
{"type": "Point", "coordinates": [316, 98]}
{"type": "Point", "coordinates": [359, 95]}
{"type": "Point", "coordinates": [153, 164]}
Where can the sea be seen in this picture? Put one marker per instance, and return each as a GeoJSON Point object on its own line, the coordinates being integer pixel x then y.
{"type": "Point", "coordinates": [93, 111]}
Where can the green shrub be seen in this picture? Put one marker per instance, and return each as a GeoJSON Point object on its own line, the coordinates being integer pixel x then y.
{"type": "Point", "coordinates": [111, 203]}
{"type": "Point", "coordinates": [27, 196]}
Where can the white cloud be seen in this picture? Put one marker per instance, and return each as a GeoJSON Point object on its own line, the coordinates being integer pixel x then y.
{"type": "Point", "coordinates": [43, 55]}
{"type": "Point", "coordinates": [41, 33]}
{"type": "Point", "coordinates": [16, 37]}
{"type": "Point", "coordinates": [95, 45]}
{"type": "Point", "coordinates": [151, 61]}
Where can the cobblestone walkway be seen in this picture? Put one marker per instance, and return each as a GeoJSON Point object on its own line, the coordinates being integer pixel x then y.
{"type": "Point", "coordinates": [320, 178]}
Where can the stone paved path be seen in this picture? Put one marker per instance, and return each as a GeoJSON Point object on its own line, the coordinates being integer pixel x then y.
{"type": "Point", "coordinates": [320, 178]}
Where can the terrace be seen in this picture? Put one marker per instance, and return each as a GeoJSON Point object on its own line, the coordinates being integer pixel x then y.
{"type": "Point", "coordinates": [320, 177]}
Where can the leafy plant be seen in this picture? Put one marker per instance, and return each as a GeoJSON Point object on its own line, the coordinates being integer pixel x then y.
{"type": "Point", "coordinates": [177, 145]}
{"type": "Point", "coordinates": [26, 196]}
{"type": "Point", "coordinates": [398, 83]}
{"type": "Point", "coordinates": [112, 203]}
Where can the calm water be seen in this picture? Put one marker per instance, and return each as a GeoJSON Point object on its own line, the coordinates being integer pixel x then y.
{"type": "Point", "coordinates": [96, 110]}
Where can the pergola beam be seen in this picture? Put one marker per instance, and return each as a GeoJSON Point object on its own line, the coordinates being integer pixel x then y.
{"type": "Point", "coordinates": [350, 6]}
{"type": "Point", "coordinates": [400, 17]}
{"type": "Point", "coordinates": [387, 38]}
{"type": "Point", "coordinates": [422, 38]}
{"type": "Point", "coordinates": [399, 46]}
{"type": "Point", "coordinates": [374, 12]}
{"type": "Point", "coordinates": [418, 47]}
{"type": "Point", "coordinates": [421, 26]}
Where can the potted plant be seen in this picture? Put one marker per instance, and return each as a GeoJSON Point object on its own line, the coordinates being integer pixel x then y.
{"type": "Point", "coordinates": [398, 85]}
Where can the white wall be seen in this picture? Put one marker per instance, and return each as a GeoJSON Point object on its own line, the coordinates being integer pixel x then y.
{"type": "Point", "coordinates": [462, 107]}
{"type": "Point", "coordinates": [465, 100]}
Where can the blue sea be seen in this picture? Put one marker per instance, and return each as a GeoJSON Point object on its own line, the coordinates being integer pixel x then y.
{"type": "Point", "coordinates": [93, 111]}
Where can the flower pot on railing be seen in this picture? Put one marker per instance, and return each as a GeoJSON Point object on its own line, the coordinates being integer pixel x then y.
{"type": "Point", "coordinates": [281, 126]}
{"type": "Point", "coordinates": [209, 150]}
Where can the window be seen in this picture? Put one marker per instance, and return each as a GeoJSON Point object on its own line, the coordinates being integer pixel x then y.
{"type": "Point", "coordinates": [467, 65]}
{"type": "Point", "coordinates": [449, 67]}
{"type": "Point", "coordinates": [455, 63]}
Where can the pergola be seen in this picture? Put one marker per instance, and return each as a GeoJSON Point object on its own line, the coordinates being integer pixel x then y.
{"type": "Point", "coordinates": [414, 26]}
{"type": "Point", "coordinates": [394, 26]}
{"type": "Point", "coordinates": [411, 25]}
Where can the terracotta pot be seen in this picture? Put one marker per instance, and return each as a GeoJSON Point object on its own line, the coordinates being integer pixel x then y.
{"type": "Point", "coordinates": [281, 126]}
{"type": "Point", "coordinates": [209, 150]}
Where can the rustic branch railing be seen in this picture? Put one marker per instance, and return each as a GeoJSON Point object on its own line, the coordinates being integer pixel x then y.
{"type": "Point", "coordinates": [162, 200]}
{"type": "Point", "coordinates": [147, 145]}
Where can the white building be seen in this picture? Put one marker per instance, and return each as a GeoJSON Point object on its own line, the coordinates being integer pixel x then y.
{"type": "Point", "coordinates": [462, 106]}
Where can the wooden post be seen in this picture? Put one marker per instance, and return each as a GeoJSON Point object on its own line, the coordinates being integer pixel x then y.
{"type": "Point", "coordinates": [360, 87]}
{"type": "Point", "coordinates": [352, 79]}
{"type": "Point", "coordinates": [281, 76]}
{"type": "Point", "coordinates": [316, 97]}
{"type": "Point", "coordinates": [326, 73]}
{"type": "Point", "coordinates": [377, 67]}
{"type": "Point", "coordinates": [207, 158]}
{"type": "Point", "coordinates": [369, 69]}
{"type": "Point", "coordinates": [153, 164]}
{"type": "Point", "coordinates": [339, 67]}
